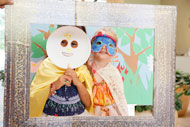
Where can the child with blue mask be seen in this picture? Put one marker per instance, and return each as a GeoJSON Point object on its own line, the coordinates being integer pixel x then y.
{"type": "Point", "coordinates": [108, 92]}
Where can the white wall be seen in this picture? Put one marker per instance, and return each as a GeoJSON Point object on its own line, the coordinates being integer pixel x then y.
{"type": "Point", "coordinates": [183, 24]}
{"type": "Point", "coordinates": [183, 63]}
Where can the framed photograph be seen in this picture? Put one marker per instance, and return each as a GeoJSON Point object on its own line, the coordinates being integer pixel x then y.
{"type": "Point", "coordinates": [145, 57]}
{"type": "Point", "coordinates": [133, 60]}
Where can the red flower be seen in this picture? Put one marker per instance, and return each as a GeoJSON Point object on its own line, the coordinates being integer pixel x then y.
{"type": "Point", "coordinates": [56, 115]}
{"type": "Point", "coordinates": [126, 71]}
{"type": "Point", "coordinates": [120, 68]}
{"type": "Point", "coordinates": [123, 78]}
{"type": "Point", "coordinates": [99, 34]}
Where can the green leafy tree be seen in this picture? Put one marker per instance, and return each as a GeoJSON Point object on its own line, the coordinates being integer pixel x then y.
{"type": "Point", "coordinates": [38, 42]}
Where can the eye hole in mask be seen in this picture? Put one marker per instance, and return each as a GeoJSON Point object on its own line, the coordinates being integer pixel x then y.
{"type": "Point", "coordinates": [64, 43]}
{"type": "Point", "coordinates": [99, 43]}
{"type": "Point", "coordinates": [111, 45]}
{"type": "Point", "coordinates": [74, 44]}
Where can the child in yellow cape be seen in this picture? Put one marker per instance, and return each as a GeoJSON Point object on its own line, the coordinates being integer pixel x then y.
{"type": "Point", "coordinates": [56, 91]}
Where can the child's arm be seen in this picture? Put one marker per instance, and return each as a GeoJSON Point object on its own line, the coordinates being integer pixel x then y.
{"type": "Point", "coordinates": [83, 93]}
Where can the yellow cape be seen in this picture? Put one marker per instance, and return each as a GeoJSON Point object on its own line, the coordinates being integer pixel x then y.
{"type": "Point", "coordinates": [46, 74]}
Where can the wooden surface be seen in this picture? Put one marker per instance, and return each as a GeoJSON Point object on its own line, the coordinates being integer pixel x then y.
{"type": "Point", "coordinates": [185, 120]}
{"type": "Point", "coordinates": [115, 1]}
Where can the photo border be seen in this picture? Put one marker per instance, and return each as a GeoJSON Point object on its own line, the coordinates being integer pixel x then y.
{"type": "Point", "coordinates": [17, 82]}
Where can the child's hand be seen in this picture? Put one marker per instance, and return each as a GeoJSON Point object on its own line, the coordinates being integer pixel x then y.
{"type": "Point", "coordinates": [70, 72]}
{"type": "Point", "coordinates": [5, 2]}
{"type": "Point", "coordinates": [61, 81]}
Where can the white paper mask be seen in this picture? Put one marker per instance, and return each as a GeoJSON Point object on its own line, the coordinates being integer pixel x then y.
{"type": "Point", "coordinates": [68, 46]}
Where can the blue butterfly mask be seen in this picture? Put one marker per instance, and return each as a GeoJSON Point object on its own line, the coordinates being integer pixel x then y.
{"type": "Point", "coordinates": [103, 40]}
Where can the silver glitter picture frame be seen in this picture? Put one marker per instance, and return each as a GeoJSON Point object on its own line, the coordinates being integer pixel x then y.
{"type": "Point", "coordinates": [69, 12]}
